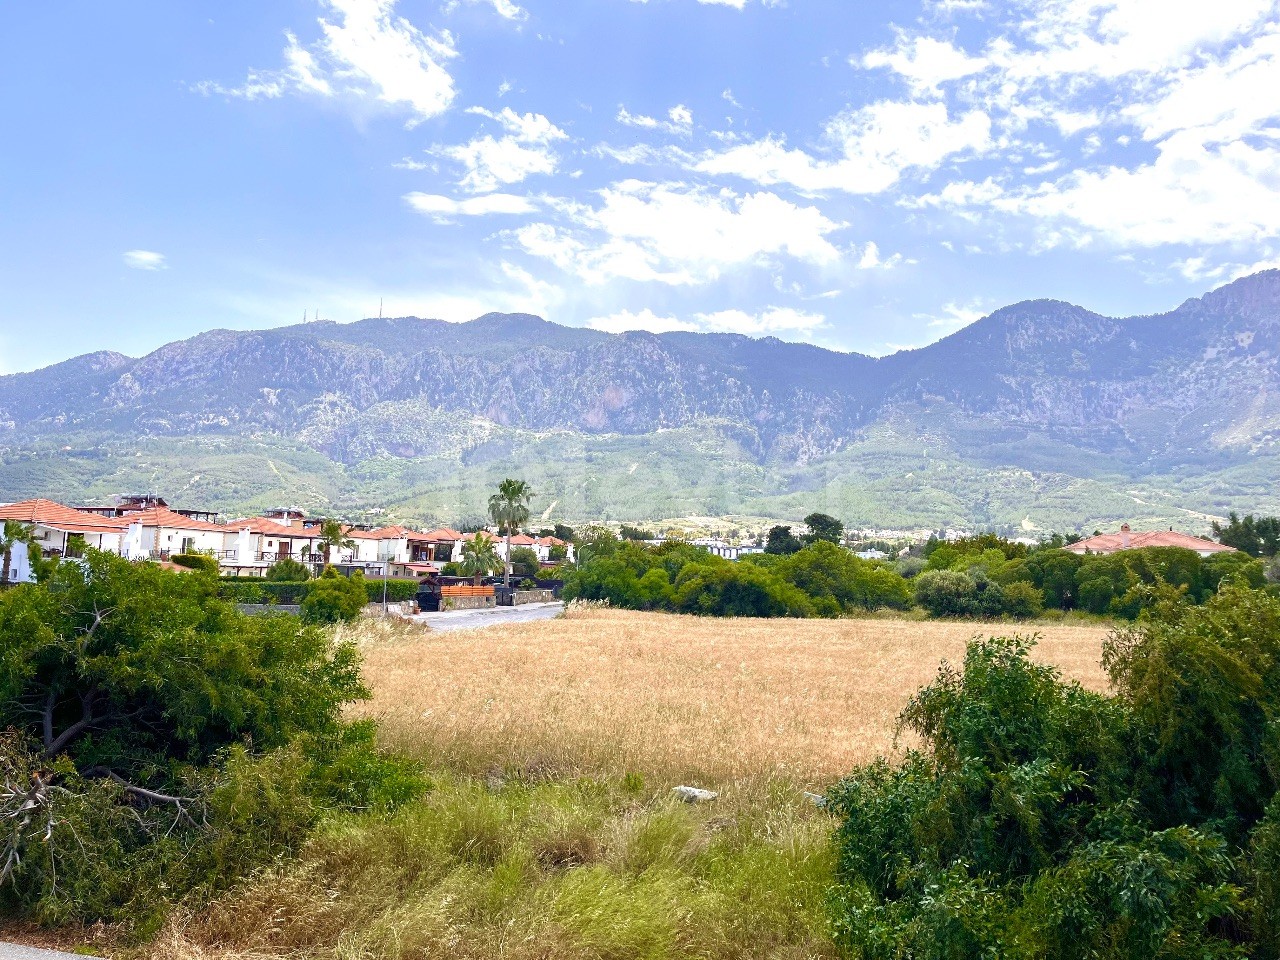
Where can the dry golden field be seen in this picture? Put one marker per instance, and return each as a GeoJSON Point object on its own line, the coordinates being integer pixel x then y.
{"type": "Point", "coordinates": [602, 692]}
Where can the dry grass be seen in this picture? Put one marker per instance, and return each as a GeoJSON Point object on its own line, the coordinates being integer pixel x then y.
{"type": "Point", "coordinates": [550, 830]}
{"type": "Point", "coordinates": [603, 693]}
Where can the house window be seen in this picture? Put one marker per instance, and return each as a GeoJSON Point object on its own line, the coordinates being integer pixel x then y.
{"type": "Point", "coordinates": [188, 544]}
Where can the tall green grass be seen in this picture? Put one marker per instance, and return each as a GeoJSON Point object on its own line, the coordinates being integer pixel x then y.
{"type": "Point", "coordinates": [521, 868]}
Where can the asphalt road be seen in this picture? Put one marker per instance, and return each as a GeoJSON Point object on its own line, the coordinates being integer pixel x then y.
{"type": "Point", "coordinates": [11, 951]}
{"type": "Point", "coordinates": [476, 619]}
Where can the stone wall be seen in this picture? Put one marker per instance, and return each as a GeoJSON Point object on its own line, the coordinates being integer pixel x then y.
{"type": "Point", "coordinates": [469, 603]}
{"type": "Point", "coordinates": [533, 596]}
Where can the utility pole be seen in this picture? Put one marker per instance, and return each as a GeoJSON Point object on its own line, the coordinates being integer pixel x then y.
{"type": "Point", "coordinates": [386, 572]}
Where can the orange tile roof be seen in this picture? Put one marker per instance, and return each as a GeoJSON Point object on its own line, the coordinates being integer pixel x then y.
{"type": "Point", "coordinates": [444, 535]}
{"type": "Point", "coordinates": [270, 528]}
{"type": "Point", "coordinates": [162, 517]}
{"type": "Point", "coordinates": [55, 516]}
{"type": "Point", "coordinates": [522, 540]}
{"type": "Point", "coordinates": [1115, 542]}
{"type": "Point", "coordinates": [384, 533]}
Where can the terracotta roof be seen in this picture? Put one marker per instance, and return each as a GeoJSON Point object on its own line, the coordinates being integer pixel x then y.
{"type": "Point", "coordinates": [162, 517]}
{"type": "Point", "coordinates": [55, 516]}
{"type": "Point", "coordinates": [384, 533]}
{"type": "Point", "coordinates": [270, 528]}
{"type": "Point", "coordinates": [522, 540]}
{"type": "Point", "coordinates": [551, 542]}
{"type": "Point", "coordinates": [444, 535]}
{"type": "Point", "coordinates": [1114, 542]}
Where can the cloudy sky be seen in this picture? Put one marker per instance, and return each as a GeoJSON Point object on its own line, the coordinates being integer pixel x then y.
{"type": "Point", "coordinates": [863, 175]}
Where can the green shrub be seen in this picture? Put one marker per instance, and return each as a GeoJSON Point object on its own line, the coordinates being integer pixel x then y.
{"type": "Point", "coordinates": [1022, 601]}
{"type": "Point", "coordinates": [177, 743]}
{"type": "Point", "coordinates": [738, 590]}
{"type": "Point", "coordinates": [398, 591]}
{"type": "Point", "coordinates": [246, 590]}
{"type": "Point", "coordinates": [1041, 820]}
{"type": "Point", "coordinates": [288, 570]}
{"type": "Point", "coordinates": [333, 598]}
{"type": "Point", "coordinates": [945, 593]}
{"type": "Point", "coordinates": [196, 561]}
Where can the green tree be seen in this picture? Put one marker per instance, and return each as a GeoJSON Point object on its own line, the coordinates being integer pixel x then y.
{"type": "Point", "coordinates": [14, 535]}
{"type": "Point", "coordinates": [480, 557]}
{"type": "Point", "coordinates": [288, 570]}
{"type": "Point", "coordinates": [165, 744]}
{"type": "Point", "coordinates": [823, 528]}
{"type": "Point", "coordinates": [840, 582]}
{"type": "Point", "coordinates": [333, 598]}
{"type": "Point", "coordinates": [525, 563]}
{"type": "Point", "coordinates": [129, 669]}
{"type": "Point", "coordinates": [509, 511]}
{"type": "Point", "coordinates": [1256, 536]}
{"type": "Point", "coordinates": [782, 541]}
{"type": "Point", "coordinates": [727, 589]}
{"type": "Point", "coordinates": [946, 593]}
{"type": "Point", "coordinates": [333, 536]}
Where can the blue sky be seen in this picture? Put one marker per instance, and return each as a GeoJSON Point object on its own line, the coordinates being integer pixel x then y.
{"type": "Point", "coordinates": [862, 175]}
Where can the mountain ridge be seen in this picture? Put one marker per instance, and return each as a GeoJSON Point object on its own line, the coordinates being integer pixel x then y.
{"type": "Point", "coordinates": [1043, 384]}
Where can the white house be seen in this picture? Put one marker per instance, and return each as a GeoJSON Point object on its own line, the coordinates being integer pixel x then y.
{"type": "Point", "coordinates": [61, 531]}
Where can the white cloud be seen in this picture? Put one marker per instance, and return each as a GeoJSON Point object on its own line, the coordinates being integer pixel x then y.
{"type": "Point", "coordinates": [879, 144]}
{"type": "Point", "coordinates": [444, 209]}
{"type": "Point", "coordinates": [503, 8]}
{"type": "Point", "coordinates": [365, 52]}
{"type": "Point", "coordinates": [1184, 75]}
{"type": "Point", "coordinates": [646, 320]}
{"type": "Point", "coordinates": [524, 151]}
{"type": "Point", "coordinates": [770, 321]}
{"type": "Point", "coordinates": [679, 120]}
{"type": "Point", "coordinates": [766, 322]}
{"type": "Point", "coordinates": [925, 62]}
{"type": "Point", "coordinates": [953, 316]}
{"type": "Point", "coordinates": [678, 234]}
{"type": "Point", "coordinates": [145, 260]}
{"type": "Point", "coordinates": [871, 259]}
{"type": "Point", "coordinates": [1191, 193]}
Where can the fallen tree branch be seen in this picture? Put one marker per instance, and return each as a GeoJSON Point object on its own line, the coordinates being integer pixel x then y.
{"type": "Point", "coordinates": [54, 745]}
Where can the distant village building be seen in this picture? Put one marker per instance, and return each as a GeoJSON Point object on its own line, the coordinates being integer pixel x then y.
{"type": "Point", "coordinates": [146, 528]}
{"type": "Point", "coordinates": [1126, 539]}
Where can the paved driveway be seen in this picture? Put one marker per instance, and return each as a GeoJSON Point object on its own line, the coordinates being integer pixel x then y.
{"type": "Point", "coordinates": [495, 617]}
{"type": "Point", "coordinates": [11, 951]}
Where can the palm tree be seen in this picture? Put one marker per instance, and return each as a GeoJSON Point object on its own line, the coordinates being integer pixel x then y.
{"type": "Point", "coordinates": [14, 533]}
{"type": "Point", "coordinates": [509, 511]}
{"type": "Point", "coordinates": [332, 534]}
{"type": "Point", "coordinates": [479, 556]}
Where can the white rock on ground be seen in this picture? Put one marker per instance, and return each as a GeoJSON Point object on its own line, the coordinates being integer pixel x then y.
{"type": "Point", "coordinates": [694, 795]}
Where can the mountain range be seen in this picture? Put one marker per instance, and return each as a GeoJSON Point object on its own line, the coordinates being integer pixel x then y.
{"type": "Point", "coordinates": [1041, 415]}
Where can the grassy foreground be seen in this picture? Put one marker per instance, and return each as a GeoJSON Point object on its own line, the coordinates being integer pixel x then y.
{"type": "Point", "coordinates": [551, 831]}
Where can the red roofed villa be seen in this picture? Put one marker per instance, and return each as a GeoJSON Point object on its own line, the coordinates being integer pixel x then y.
{"type": "Point", "coordinates": [1126, 539]}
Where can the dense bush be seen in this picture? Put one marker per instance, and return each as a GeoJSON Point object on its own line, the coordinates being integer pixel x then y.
{"type": "Point", "coordinates": [977, 577]}
{"type": "Point", "coordinates": [1039, 820]}
{"type": "Point", "coordinates": [398, 591]}
{"type": "Point", "coordinates": [288, 570]}
{"type": "Point", "coordinates": [737, 590]}
{"type": "Point", "coordinates": [333, 598]}
{"type": "Point", "coordinates": [196, 561]}
{"type": "Point", "coordinates": [162, 744]}
{"type": "Point", "coordinates": [821, 579]}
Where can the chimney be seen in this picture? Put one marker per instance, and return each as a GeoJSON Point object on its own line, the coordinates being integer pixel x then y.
{"type": "Point", "coordinates": [1124, 537]}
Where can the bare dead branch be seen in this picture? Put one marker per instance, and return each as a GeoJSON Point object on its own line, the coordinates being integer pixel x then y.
{"type": "Point", "coordinates": [57, 744]}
